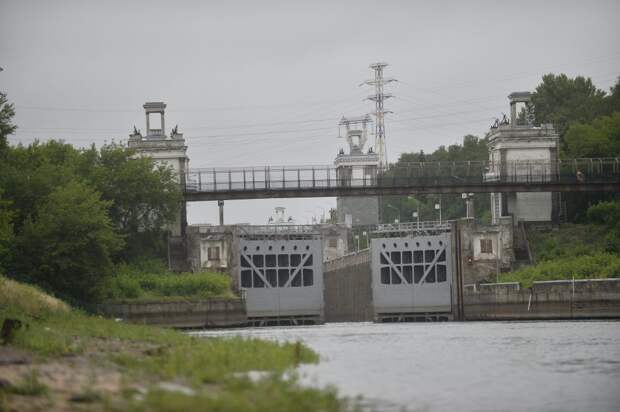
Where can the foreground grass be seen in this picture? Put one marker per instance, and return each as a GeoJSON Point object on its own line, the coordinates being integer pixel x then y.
{"type": "Point", "coordinates": [152, 281]}
{"type": "Point", "coordinates": [266, 395]}
{"type": "Point", "coordinates": [596, 266]}
{"type": "Point", "coordinates": [214, 369]}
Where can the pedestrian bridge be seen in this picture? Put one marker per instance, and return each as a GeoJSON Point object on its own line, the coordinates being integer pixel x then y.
{"type": "Point", "coordinates": [566, 175]}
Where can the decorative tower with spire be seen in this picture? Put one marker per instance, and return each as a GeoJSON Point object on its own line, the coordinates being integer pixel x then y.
{"type": "Point", "coordinates": [518, 147]}
{"type": "Point", "coordinates": [164, 150]}
{"type": "Point", "coordinates": [357, 168]}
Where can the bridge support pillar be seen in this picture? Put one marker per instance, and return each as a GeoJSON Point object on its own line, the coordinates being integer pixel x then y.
{"type": "Point", "coordinates": [177, 242]}
{"type": "Point", "coordinates": [220, 204]}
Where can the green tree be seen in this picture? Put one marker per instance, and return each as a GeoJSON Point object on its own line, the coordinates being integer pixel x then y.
{"type": "Point", "coordinates": [612, 101]}
{"type": "Point", "coordinates": [572, 105]}
{"type": "Point", "coordinates": [66, 246]}
{"type": "Point", "coordinates": [7, 111]}
{"type": "Point", "coordinates": [6, 233]}
{"type": "Point", "coordinates": [607, 214]}
{"type": "Point", "coordinates": [32, 172]}
{"type": "Point", "coordinates": [600, 138]}
{"type": "Point", "coordinates": [145, 198]}
{"type": "Point", "coordinates": [561, 100]}
{"type": "Point", "coordinates": [473, 148]}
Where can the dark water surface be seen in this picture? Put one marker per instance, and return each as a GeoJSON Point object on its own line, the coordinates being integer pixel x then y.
{"type": "Point", "coordinates": [473, 366]}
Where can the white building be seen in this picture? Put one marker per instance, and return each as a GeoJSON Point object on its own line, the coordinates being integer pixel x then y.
{"type": "Point", "coordinates": [518, 151]}
{"type": "Point", "coordinates": [164, 150]}
{"type": "Point", "coordinates": [357, 168]}
{"type": "Point", "coordinates": [279, 217]}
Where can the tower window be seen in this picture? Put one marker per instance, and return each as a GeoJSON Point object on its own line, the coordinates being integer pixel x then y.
{"type": "Point", "coordinates": [486, 246]}
{"type": "Point", "coordinates": [213, 253]}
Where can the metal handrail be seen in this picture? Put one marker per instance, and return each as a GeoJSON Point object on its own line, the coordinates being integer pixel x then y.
{"type": "Point", "coordinates": [405, 165]}
{"type": "Point", "coordinates": [421, 174]}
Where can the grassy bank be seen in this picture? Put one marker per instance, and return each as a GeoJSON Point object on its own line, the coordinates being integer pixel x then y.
{"type": "Point", "coordinates": [152, 281]}
{"type": "Point", "coordinates": [569, 241]}
{"type": "Point", "coordinates": [596, 266]}
{"type": "Point", "coordinates": [574, 251]}
{"type": "Point", "coordinates": [77, 359]}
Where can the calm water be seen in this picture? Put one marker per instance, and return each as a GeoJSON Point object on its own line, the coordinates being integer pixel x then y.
{"type": "Point", "coordinates": [490, 366]}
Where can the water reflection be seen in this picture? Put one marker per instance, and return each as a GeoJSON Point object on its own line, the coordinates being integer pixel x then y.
{"type": "Point", "coordinates": [486, 366]}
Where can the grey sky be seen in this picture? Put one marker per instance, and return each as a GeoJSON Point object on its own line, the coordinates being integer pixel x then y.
{"type": "Point", "coordinates": [255, 83]}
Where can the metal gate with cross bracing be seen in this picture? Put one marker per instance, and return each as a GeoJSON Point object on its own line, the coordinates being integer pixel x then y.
{"type": "Point", "coordinates": [282, 278]}
{"type": "Point", "coordinates": [411, 275]}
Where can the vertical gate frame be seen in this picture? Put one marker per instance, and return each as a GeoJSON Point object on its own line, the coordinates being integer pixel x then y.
{"type": "Point", "coordinates": [255, 269]}
{"type": "Point", "coordinates": [393, 267]}
{"type": "Point", "coordinates": [426, 273]}
{"type": "Point", "coordinates": [298, 270]}
{"type": "Point", "coordinates": [433, 264]}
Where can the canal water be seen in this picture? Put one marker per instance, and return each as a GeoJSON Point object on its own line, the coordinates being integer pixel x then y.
{"type": "Point", "coordinates": [463, 366]}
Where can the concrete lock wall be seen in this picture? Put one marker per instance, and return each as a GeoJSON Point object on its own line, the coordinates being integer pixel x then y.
{"type": "Point", "coordinates": [198, 314]}
{"type": "Point", "coordinates": [476, 265]}
{"type": "Point", "coordinates": [561, 299]}
{"type": "Point", "coordinates": [348, 293]}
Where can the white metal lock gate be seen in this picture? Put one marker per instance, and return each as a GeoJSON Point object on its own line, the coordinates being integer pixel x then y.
{"type": "Point", "coordinates": [282, 278]}
{"type": "Point", "coordinates": [412, 274]}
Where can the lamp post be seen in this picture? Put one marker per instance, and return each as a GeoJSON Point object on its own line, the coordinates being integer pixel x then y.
{"type": "Point", "coordinates": [323, 215]}
{"type": "Point", "coordinates": [438, 207]}
{"type": "Point", "coordinates": [365, 233]}
{"type": "Point", "coordinates": [416, 216]}
{"type": "Point", "coordinates": [469, 199]}
{"type": "Point", "coordinates": [397, 210]}
{"type": "Point", "coordinates": [357, 238]}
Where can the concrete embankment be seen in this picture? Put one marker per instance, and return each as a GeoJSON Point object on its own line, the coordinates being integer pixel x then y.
{"type": "Point", "coordinates": [560, 299]}
{"type": "Point", "coordinates": [208, 313]}
{"type": "Point", "coordinates": [348, 298]}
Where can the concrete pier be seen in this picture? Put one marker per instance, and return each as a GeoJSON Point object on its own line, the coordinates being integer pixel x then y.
{"type": "Point", "coordinates": [348, 291]}
{"type": "Point", "coordinates": [560, 299]}
{"type": "Point", "coordinates": [209, 313]}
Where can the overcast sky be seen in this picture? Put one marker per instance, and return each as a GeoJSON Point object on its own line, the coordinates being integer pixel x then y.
{"type": "Point", "coordinates": [258, 82]}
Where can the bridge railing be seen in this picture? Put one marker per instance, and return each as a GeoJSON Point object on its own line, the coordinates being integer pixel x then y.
{"type": "Point", "coordinates": [278, 178]}
{"type": "Point", "coordinates": [428, 225]}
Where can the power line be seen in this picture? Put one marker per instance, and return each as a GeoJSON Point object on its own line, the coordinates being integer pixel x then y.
{"type": "Point", "coordinates": [205, 109]}
{"type": "Point", "coordinates": [331, 119]}
{"type": "Point", "coordinates": [299, 134]}
{"type": "Point", "coordinates": [258, 133]}
{"type": "Point", "coordinates": [514, 76]}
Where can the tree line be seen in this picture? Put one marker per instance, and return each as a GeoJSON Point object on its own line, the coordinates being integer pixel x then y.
{"type": "Point", "coordinates": [587, 120]}
{"type": "Point", "coordinates": [69, 215]}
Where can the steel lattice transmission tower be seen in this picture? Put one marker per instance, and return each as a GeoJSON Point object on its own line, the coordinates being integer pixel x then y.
{"type": "Point", "coordinates": [379, 97]}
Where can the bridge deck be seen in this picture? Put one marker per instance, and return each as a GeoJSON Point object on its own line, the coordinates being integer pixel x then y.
{"type": "Point", "coordinates": [574, 175]}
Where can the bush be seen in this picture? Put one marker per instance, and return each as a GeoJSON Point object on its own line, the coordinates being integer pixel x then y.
{"type": "Point", "coordinates": [134, 282]}
{"type": "Point", "coordinates": [597, 266]}
{"type": "Point", "coordinates": [607, 215]}
{"type": "Point", "coordinates": [571, 240]}
{"type": "Point", "coordinates": [66, 246]}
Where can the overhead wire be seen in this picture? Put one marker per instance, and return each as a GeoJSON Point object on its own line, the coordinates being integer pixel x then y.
{"type": "Point", "coordinates": [300, 134]}
{"type": "Point", "coordinates": [300, 121]}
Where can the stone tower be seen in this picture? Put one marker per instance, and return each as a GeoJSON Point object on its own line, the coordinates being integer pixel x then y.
{"type": "Point", "coordinates": [357, 168]}
{"type": "Point", "coordinates": [517, 147]}
{"type": "Point", "coordinates": [171, 151]}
